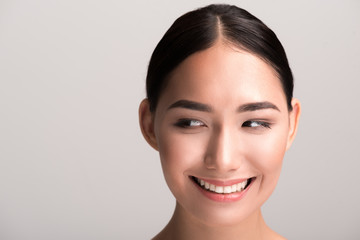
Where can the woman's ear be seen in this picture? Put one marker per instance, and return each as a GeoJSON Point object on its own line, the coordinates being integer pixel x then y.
{"type": "Point", "coordinates": [146, 121]}
{"type": "Point", "coordinates": [294, 116]}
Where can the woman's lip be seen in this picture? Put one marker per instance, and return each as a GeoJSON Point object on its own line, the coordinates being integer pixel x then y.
{"type": "Point", "coordinates": [223, 183]}
{"type": "Point", "coordinates": [220, 197]}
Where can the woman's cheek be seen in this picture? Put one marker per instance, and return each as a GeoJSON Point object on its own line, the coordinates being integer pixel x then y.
{"type": "Point", "coordinates": [179, 152]}
{"type": "Point", "coordinates": [268, 152]}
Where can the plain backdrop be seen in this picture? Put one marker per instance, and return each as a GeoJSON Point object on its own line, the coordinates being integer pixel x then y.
{"type": "Point", "coordinates": [73, 163]}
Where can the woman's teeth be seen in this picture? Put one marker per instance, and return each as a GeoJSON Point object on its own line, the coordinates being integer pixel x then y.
{"type": "Point", "coordinates": [222, 189]}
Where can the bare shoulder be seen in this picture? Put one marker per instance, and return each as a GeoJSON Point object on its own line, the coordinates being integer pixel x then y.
{"type": "Point", "coordinates": [159, 236]}
{"type": "Point", "coordinates": [276, 236]}
{"type": "Point", "coordinates": [280, 238]}
{"type": "Point", "coordinates": [163, 235]}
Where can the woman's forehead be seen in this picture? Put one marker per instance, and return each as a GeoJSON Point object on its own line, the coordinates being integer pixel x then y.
{"type": "Point", "coordinates": [222, 74]}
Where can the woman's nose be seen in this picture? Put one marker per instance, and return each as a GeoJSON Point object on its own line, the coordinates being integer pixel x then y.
{"type": "Point", "coordinates": [221, 151]}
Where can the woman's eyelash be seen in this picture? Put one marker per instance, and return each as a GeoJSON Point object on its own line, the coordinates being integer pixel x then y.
{"type": "Point", "coordinates": [188, 123]}
{"type": "Point", "coordinates": [256, 123]}
{"type": "Point", "coordinates": [193, 123]}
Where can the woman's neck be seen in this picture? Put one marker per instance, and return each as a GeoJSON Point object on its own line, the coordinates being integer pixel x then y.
{"type": "Point", "coordinates": [184, 226]}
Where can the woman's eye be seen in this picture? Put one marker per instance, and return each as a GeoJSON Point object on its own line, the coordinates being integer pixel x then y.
{"type": "Point", "coordinates": [256, 124]}
{"type": "Point", "coordinates": [189, 123]}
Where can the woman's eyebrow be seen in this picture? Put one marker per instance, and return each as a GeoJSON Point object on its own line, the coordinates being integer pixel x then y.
{"type": "Point", "coordinates": [249, 107]}
{"type": "Point", "coordinates": [191, 105]}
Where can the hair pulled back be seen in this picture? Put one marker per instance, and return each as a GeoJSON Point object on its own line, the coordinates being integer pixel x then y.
{"type": "Point", "coordinates": [199, 29]}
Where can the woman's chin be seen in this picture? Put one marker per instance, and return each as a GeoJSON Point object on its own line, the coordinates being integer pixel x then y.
{"type": "Point", "coordinates": [221, 216]}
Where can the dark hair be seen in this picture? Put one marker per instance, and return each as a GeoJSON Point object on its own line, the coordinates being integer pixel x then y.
{"type": "Point", "coordinates": [199, 29]}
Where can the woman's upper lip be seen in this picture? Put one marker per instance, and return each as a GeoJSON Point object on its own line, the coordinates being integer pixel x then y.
{"type": "Point", "coordinates": [223, 182]}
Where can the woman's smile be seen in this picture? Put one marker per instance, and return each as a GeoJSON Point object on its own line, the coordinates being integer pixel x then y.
{"type": "Point", "coordinates": [222, 191]}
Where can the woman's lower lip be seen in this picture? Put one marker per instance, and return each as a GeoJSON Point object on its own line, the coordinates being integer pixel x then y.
{"type": "Point", "coordinates": [220, 197]}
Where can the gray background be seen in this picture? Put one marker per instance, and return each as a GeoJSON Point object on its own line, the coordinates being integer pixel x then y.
{"type": "Point", "coordinates": [73, 163]}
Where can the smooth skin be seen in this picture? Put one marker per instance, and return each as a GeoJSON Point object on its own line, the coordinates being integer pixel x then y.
{"type": "Point", "coordinates": [218, 136]}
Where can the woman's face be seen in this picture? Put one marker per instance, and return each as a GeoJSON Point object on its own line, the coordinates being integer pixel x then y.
{"type": "Point", "coordinates": [222, 123]}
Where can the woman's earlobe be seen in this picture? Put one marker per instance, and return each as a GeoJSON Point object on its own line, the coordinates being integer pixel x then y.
{"type": "Point", "coordinates": [146, 122]}
{"type": "Point", "coordinates": [294, 121]}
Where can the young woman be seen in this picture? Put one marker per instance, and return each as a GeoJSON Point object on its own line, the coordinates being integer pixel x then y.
{"type": "Point", "coordinates": [220, 111]}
